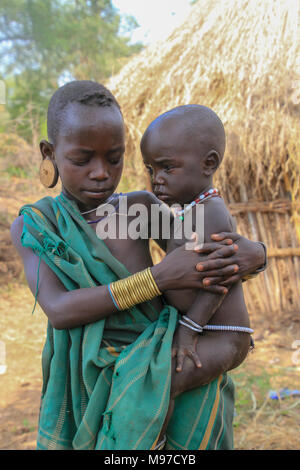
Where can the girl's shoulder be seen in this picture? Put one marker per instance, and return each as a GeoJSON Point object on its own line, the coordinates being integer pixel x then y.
{"type": "Point", "coordinates": [16, 230]}
{"type": "Point", "coordinates": [39, 207]}
{"type": "Point", "coordinates": [42, 205]}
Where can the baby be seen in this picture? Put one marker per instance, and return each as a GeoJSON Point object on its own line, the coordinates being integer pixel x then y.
{"type": "Point", "coordinates": [182, 149]}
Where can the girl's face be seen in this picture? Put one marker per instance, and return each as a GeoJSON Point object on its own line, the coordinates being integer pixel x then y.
{"type": "Point", "coordinates": [89, 153]}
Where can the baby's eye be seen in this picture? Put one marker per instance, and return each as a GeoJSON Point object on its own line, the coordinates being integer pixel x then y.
{"type": "Point", "coordinates": [115, 161]}
{"type": "Point", "coordinates": [168, 168]}
{"type": "Point", "coordinates": [149, 169]}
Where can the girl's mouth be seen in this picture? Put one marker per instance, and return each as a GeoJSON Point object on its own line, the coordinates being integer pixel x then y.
{"type": "Point", "coordinates": [97, 194]}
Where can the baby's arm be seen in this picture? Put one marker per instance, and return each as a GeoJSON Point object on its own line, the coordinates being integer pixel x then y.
{"type": "Point", "coordinates": [216, 218]}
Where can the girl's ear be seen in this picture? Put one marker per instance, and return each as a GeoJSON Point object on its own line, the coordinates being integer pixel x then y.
{"type": "Point", "coordinates": [47, 149]}
{"type": "Point", "coordinates": [211, 162]}
{"type": "Point", "coordinates": [48, 172]}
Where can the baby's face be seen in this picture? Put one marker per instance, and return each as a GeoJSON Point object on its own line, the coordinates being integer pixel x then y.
{"type": "Point", "coordinates": [89, 153]}
{"type": "Point", "coordinates": [173, 159]}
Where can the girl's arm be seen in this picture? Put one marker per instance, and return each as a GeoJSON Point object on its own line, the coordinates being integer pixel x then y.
{"type": "Point", "coordinates": [69, 309]}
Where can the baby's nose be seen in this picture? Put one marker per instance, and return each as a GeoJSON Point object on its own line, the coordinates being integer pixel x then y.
{"type": "Point", "coordinates": [158, 179]}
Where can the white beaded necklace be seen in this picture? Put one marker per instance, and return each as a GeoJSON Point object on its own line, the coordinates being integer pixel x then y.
{"type": "Point", "coordinates": [106, 202]}
{"type": "Point", "coordinates": [203, 197]}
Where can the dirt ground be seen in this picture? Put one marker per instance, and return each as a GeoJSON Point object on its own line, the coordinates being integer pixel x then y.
{"type": "Point", "coordinates": [260, 422]}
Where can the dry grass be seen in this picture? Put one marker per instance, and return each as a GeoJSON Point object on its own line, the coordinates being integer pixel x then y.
{"type": "Point", "coordinates": [17, 157]}
{"type": "Point", "coordinates": [23, 335]}
{"type": "Point", "coordinates": [260, 422]}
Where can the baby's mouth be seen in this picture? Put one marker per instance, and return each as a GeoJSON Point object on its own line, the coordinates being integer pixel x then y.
{"type": "Point", "coordinates": [162, 196]}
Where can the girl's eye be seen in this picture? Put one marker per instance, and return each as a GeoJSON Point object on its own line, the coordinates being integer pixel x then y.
{"type": "Point", "coordinates": [116, 158]}
{"type": "Point", "coordinates": [77, 163]}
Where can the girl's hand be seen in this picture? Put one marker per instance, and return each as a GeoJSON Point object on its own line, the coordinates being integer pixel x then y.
{"type": "Point", "coordinates": [186, 269]}
{"type": "Point", "coordinates": [249, 257]}
{"type": "Point", "coordinates": [210, 266]}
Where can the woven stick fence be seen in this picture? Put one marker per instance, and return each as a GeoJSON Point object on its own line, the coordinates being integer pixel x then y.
{"type": "Point", "coordinates": [277, 289]}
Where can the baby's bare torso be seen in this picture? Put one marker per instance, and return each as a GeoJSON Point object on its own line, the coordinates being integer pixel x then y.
{"type": "Point", "coordinates": [135, 255]}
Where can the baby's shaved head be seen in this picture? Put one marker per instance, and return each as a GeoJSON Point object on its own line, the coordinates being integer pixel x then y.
{"type": "Point", "coordinates": [198, 123]}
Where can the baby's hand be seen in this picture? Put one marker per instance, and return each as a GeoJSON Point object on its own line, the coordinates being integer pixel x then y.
{"type": "Point", "coordinates": [185, 345]}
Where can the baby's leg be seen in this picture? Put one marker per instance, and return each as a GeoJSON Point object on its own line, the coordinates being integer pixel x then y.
{"type": "Point", "coordinates": [219, 352]}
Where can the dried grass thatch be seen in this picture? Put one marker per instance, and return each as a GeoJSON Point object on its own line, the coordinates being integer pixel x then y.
{"type": "Point", "coordinates": [242, 59]}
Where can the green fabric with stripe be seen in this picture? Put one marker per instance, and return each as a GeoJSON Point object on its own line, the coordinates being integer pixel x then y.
{"type": "Point", "coordinates": [106, 385]}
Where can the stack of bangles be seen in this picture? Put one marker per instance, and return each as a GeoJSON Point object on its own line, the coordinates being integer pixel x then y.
{"type": "Point", "coordinates": [133, 290]}
{"type": "Point", "coordinates": [140, 287]}
{"type": "Point", "coordinates": [186, 321]}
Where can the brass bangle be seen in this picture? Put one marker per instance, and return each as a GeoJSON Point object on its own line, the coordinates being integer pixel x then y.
{"type": "Point", "coordinates": [153, 282]}
{"type": "Point", "coordinates": [134, 289]}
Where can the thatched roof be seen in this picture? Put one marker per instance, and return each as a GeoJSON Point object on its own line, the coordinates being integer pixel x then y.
{"type": "Point", "coordinates": [242, 59]}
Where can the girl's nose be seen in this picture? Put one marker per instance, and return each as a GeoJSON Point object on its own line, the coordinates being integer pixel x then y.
{"type": "Point", "coordinates": [99, 172]}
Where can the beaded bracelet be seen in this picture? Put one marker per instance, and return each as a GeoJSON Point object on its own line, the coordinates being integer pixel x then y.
{"type": "Point", "coordinates": [191, 324]}
{"type": "Point", "coordinates": [195, 327]}
{"type": "Point", "coordinates": [258, 270]}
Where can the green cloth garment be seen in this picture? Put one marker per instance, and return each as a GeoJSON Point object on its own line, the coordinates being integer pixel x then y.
{"type": "Point", "coordinates": [106, 384]}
